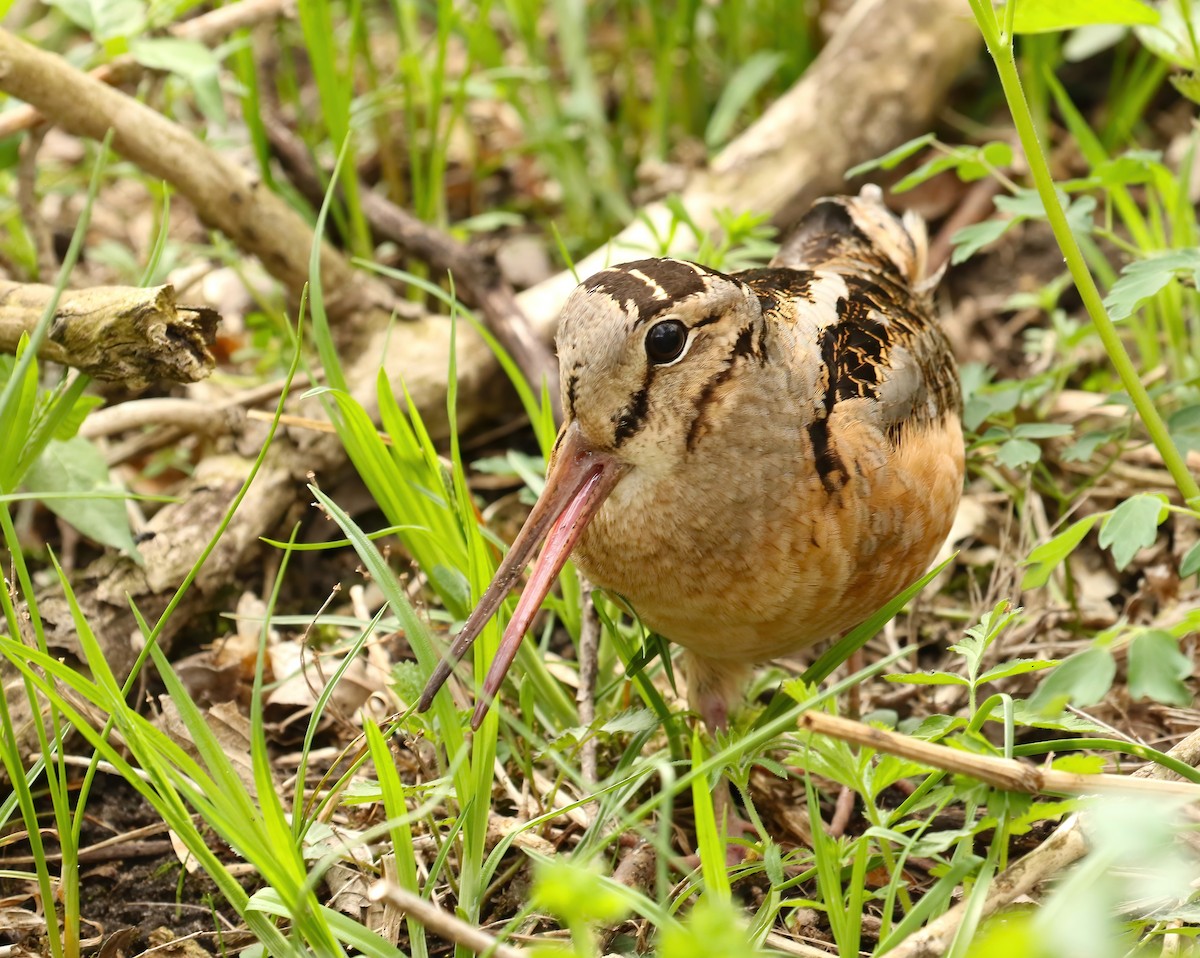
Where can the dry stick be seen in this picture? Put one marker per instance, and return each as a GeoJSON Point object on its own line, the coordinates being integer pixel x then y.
{"type": "Point", "coordinates": [226, 196]}
{"type": "Point", "coordinates": [115, 333]}
{"type": "Point", "coordinates": [1005, 773]}
{"type": "Point", "coordinates": [175, 423]}
{"type": "Point", "coordinates": [188, 415]}
{"type": "Point", "coordinates": [31, 214]}
{"type": "Point", "coordinates": [589, 669]}
{"type": "Point", "coordinates": [208, 28]}
{"type": "Point", "coordinates": [477, 280]}
{"type": "Point", "coordinates": [442, 923]}
{"type": "Point", "coordinates": [1066, 846]}
{"type": "Point", "coordinates": [789, 946]}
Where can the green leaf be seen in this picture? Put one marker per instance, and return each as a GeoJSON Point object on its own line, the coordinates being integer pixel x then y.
{"type": "Point", "coordinates": [926, 678]}
{"type": "Point", "coordinates": [1008, 669]}
{"type": "Point", "coordinates": [713, 928]}
{"type": "Point", "coordinates": [1157, 669]}
{"type": "Point", "coordinates": [1046, 558]}
{"type": "Point", "coordinates": [893, 158]}
{"type": "Point", "coordinates": [971, 239]}
{"type": "Point", "coordinates": [185, 58]}
{"type": "Point", "coordinates": [997, 153]}
{"type": "Point", "coordinates": [1077, 763]}
{"type": "Point", "coordinates": [1024, 202]}
{"type": "Point", "coordinates": [1081, 214]}
{"type": "Point", "coordinates": [70, 423]}
{"type": "Point", "coordinates": [968, 162]}
{"type": "Point", "coordinates": [16, 414]}
{"type": "Point", "coordinates": [1187, 84]}
{"type": "Point", "coordinates": [1083, 448]}
{"type": "Point", "coordinates": [1016, 453]}
{"type": "Point", "coordinates": [77, 467]}
{"type": "Point", "coordinates": [577, 892]}
{"type": "Point", "coordinates": [1131, 168]}
{"type": "Point", "coordinates": [1184, 426]}
{"type": "Point", "coordinates": [1083, 680]}
{"type": "Point", "coordinates": [1049, 16]}
{"type": "Point", "coordinates": [1133, 525]}
{"type": "Point", "coordinates": [1191, 562]}
{"type": "Point", "coordinates": [105, 19]}
{"type": "Point", "coordinates": [190, 60]}
{"type": "Point", "coordinates": [739, 90]}
{"type": "Point", "coordinates": [1142, 278]}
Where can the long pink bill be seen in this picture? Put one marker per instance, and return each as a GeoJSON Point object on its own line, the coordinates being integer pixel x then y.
{"type": "Point", "coordinates": [580, 479]}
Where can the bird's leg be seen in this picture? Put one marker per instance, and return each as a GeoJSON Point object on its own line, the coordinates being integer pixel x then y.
{"type": "Point", "coordinates": [712, 686]}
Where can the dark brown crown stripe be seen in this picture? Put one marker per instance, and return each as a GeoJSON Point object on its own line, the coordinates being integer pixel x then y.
{"type": "Point", "coordinates": [650, 286]}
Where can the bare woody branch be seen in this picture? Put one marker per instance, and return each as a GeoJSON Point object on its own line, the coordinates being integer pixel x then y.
{"type": "Point", "coordinates": [477, 281]}
{"type": "Point", "coordinates": [114, 333]}
{"type": "Point", "coordinates": [208, 28]}
{"type": "Point", "coordinates": [226, 196]}
{"type": "Point", "coordinates": [1005, 773]}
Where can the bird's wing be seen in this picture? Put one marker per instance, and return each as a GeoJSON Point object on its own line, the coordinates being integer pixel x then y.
{"type": "Point", "coordinates": [859, 295]}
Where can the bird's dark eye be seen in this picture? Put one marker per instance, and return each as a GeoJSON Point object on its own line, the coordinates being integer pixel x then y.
{"type": "Point", "coordinates": [665, 341]}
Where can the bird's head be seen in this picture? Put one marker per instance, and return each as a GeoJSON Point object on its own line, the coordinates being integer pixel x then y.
{"type": "Point", "coordinates": [643, 350]}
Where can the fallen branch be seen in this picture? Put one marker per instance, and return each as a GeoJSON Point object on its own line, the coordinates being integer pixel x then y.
{"type": "Point", "coordinates": [1067, 845]}
{"type": "Point", "coordinates": [115, 333]}
{"type": "Point", "coordinates": [477, 281]}
{"type": "Point", "coordinates": [442, 923]}
{"type": "Point", "coordinates": [1004, 773]}
{"type": "Point", "coordinates": [226, 196]}
{"type": "Point", "coordinates": [207, 28]}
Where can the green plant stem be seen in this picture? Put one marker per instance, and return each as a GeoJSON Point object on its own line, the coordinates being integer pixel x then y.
{"type": "Point", "coordinates": [1000, 48]}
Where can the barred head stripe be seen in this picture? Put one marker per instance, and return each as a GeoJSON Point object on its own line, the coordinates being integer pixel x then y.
{"type": "Point", "coordinates": [655, 288]}
{"type": "Point", "coordinates": [650, 286]}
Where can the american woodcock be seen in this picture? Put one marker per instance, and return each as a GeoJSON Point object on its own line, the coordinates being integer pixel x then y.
{"type": "Point", "coordinates": [755, 461]}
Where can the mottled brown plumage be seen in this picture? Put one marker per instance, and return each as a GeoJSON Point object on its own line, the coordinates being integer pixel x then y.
{"type": "Point", "coordinates": [755, 461]}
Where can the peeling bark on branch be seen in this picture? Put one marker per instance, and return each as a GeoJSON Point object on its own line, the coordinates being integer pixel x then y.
{"type": "Point", "coordinates": [114, 333]}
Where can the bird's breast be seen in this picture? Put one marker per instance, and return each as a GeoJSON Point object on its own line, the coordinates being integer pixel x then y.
{"type": "Point", "coordinates": [751, 554]}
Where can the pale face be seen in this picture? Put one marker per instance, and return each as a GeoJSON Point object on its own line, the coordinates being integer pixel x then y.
{"type": "Point", "coordinates": [642, 349]}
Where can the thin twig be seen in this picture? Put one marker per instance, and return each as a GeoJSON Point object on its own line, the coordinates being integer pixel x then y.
{"type": "Point", "coordinates": [27, 203]}
{"type": "Point", "coordinates": [790, 946]}
{"type": "Point", "coordinates": [477, 281]}
{"type": "Point", "coordinates": [441, 922]}
{"type": "Point", "coordinates": [188, 414]}
{"type": "Point", "coordinates": [1066, 846]}
{"type": "Point", "coordinates": [585, 693]}
{"type": "Point", "coordinates": [1005, 773]}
